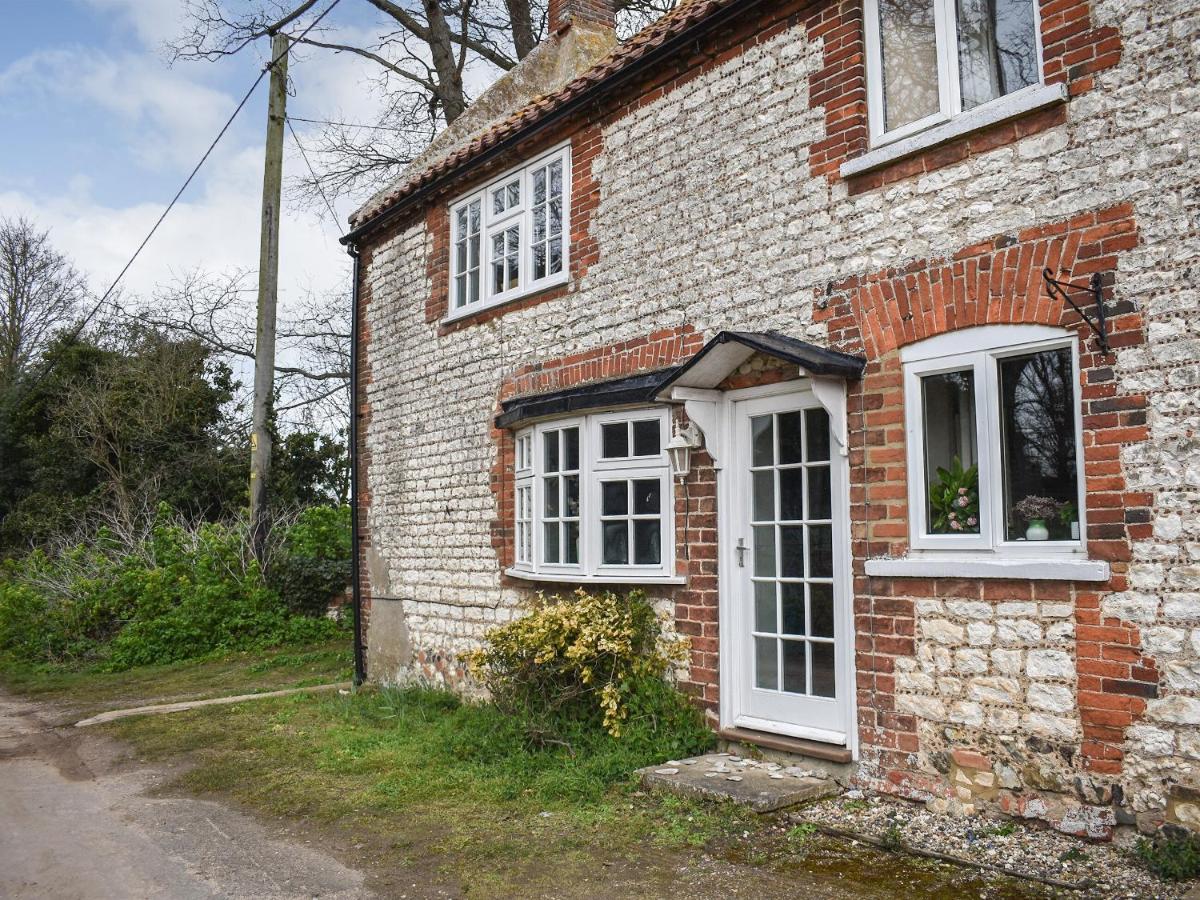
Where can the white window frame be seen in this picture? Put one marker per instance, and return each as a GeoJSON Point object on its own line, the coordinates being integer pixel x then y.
{"type": "Point", "coordinates": [979, 349]}
{"type": "Point", "coordinates": [593, 470]}
{"type": "Point", "coordinates": [949, 84]}
{"type": "Point", "coordinates": [520, 215]}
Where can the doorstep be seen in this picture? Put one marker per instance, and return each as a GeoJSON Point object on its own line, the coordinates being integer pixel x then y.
{"type": "Point", "coordinates": [763, 786]}
{"type": "Point", "coordinates": [791, 746]}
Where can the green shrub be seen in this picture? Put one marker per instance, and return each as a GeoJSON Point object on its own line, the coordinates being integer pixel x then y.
{"type": "Point", "coordinates": [1175, 857]}
{"type": "Point", "coordinates": [178, 593]}
{"type": "Point", "coordinates": [314, 567]}
{"type": "Point", "coordinates": [591, 655]}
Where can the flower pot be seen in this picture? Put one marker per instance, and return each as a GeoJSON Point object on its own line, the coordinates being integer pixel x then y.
{"type": "Point", "coordinates": [1037, 530]}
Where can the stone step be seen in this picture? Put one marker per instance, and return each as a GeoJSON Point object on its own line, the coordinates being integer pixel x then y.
{"type": "Point", "coordinates": [763, 786]}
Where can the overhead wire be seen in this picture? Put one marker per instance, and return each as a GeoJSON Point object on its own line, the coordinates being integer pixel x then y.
{"type": "Point", "coordinates": [179, 193]}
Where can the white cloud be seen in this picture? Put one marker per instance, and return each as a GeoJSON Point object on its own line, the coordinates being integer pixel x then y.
{"type": "Point", "coordinates": [154, 21]}
{"type": "Point", "coordinates": [166, 118]}
{"type": "Point", "coordinates": [216, 230]}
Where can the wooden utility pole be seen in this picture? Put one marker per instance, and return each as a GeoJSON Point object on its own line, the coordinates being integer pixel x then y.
{"type": "Point", "coordinates": [268, 291]}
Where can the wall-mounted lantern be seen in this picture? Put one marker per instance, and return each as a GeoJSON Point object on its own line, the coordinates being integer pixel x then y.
{"type": "Point", "coordinates": [683, 441]}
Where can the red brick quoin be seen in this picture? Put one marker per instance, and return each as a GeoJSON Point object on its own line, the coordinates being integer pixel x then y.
{"type": "Point", "coordinates": [993, 282]}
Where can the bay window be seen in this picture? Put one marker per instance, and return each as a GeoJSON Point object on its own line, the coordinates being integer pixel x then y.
{"type": "Point", "coordinates": [931, 60]}
{"type": "Point", "coordinates": [510, 238]}
{"type": "Point", "coordinates": [994, 441]}
{"type": "Point", "coordinates": [593, 499]}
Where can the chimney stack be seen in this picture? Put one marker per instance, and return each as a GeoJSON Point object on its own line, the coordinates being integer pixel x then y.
{"type": "Point", "coordinates": [587, 13]}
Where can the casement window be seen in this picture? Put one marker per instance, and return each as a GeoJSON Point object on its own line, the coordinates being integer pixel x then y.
{"type": "Point", "coordinates": [511, 238]}
{"type": "Point", "coordinates": [931, 60]}
{"type": "Point", "coordinates": [994, 441]}
{"type": "Point", "coordinates": [593, 498]}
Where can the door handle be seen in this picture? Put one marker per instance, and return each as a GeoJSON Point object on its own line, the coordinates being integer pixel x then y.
{"type": "Point", "coordinates": [741, 552]}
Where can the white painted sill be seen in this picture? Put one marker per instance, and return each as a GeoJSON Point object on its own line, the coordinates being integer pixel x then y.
{"type": "Point", "coordinates": [475, 309]}
{"type": "Point", "coordinates": [1001, 110]}
{"type": "Point", "coordinates": [568, 578]}
{"type": "Point", "coordinates": [966, 566]}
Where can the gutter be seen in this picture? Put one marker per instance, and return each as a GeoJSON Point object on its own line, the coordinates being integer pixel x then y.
{"type": "Point", "coordinates": [568, 108]}
{"type": "Point", "coordinates": [360, 669]}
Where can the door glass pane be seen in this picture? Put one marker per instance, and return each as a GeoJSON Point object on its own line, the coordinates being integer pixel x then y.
{"type": "Point", "coordinates": [646, 542]}
{"type": "Point", "coordinates": [614, 440]}
{"type": "Point", "coordinates": [647, 440]}
{"type": "Point", "coordinates": [766, 663]}
{"type": "Point", "coordinates": [616, 543]}
{"type": "Point", "coordinates": [791, 445]}
{"type": "Point", "coordinates": [795, 674]}
{"type": "Point", "coordinates": [791, 551]}
{"type": "Point", "coordinates": [820, 551]}
{"type": "Point", "coordinates": [997, 48]}
{"type": "Point", "coordinates": [792, 603]}
{"type": "Point", "coordinates": [791, 494]}
{"type": "Point", "coordinates": [764, 606]}
{"type": "Point", "coordinates": [762, 439]}
{"type": "Point", "coordinates": [614, 498]}
{"type": "Point", "coordinates": [952, 477]}
{"type": "Point", "coordinates": [764, 550]}
{"type": "Point", "coordinates": [764, 496]}
{"type": "Point", "coordinates": [909, 54]}
{"type": "Point", "coordinates": [820, 604]}
{"type": "Point", "coordinates": [819, 493]}
{"type": "Point", "coordinates": [1037, 422]}
{"type": "Point", "coordinates": [646, 500]}
{"type": "Point", "coordinates": [824, 680]}
{"type": "Point", "coordinates": [816, 435]}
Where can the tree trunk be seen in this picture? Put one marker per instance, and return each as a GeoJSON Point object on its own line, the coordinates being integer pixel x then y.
{"type": "Point", "coordinates": [441, 50]}
{"type": "Point", "coordinates": [521, 20]}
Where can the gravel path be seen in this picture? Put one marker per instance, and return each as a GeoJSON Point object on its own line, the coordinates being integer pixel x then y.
{"type": "Point", "coordinates": [1099, 870]}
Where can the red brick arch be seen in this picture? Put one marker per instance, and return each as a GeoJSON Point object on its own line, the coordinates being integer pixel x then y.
{"type": "Point", "coordinates": [997, 281]}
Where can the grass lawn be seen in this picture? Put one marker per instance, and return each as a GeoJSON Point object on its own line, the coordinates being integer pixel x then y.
{"type": "Point", "coordinates": [84, 692]}
{"type": "Point", "coordinates": [437, 798]}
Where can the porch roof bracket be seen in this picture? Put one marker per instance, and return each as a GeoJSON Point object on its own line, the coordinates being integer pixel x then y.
{"type": "Point", "coordinates": [831, 394]}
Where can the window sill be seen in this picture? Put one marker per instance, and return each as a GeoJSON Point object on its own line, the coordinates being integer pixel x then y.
{"type": "Point", "coordinates": [968, 566]}
{"type": "Point", "coordinates": [567, 578]}
{"type": "Point", "coordinates": [478, 309]}
{"type": "Point", "coordinates": [1010, 107]}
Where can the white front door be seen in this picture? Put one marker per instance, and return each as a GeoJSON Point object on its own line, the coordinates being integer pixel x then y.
{"type": "Point", "coordinates": [788, 605]}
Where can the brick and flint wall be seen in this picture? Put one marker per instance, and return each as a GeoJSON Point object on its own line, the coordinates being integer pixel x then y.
{"type": "Point", "coordinates": [708, 197]}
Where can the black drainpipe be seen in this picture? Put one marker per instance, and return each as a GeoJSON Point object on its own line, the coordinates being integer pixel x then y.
{"type": "Point", "coordinates": [360, 669]}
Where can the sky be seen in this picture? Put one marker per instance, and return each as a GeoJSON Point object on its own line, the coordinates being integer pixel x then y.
{"type": "Point", "coordinates": [98, 130]}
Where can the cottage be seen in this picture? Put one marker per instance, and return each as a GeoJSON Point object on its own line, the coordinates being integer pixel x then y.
{"type": "Point", "coordinates": [861, 334]}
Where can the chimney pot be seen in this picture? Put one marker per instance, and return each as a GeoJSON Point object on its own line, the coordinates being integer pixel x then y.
{"type": "Point", "coordinates": [594, 13]}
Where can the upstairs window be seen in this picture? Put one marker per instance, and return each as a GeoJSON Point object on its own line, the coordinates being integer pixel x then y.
{"type": "Point", "coordinates": [510, 238]}
{"type": "Point", "coordinates": [929, 60]}
{"type": "Point", "coordinates": [994, 441]}
{"type": "Point", "coordinates": [593, 499]}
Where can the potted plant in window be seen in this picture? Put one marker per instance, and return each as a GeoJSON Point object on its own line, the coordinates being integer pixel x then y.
{"type": "Point", "coordinates": [954, 500]}
{"type": "Point", "coordinates": [1035, 511]}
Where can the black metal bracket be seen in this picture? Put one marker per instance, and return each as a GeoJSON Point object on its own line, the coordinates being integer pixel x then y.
{"type": "Point", "coordinates": [1095, 287]}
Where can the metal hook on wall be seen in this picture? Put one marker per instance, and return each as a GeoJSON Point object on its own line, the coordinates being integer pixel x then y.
{"type": "Point", "coordinates": [1095, 287]}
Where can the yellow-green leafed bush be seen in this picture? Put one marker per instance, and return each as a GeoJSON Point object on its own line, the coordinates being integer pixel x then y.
{"type": "Point", "coordinates": [592, 653]}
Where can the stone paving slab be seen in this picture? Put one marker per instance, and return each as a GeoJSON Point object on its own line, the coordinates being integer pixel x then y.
{"type": "Point", "coordinates": [762, 786]}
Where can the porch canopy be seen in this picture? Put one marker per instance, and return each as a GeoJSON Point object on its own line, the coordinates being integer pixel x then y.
{"type": "Point", "coordinates": [721, 356]}
{"type": "Point", "coordinates": [695, 383]}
